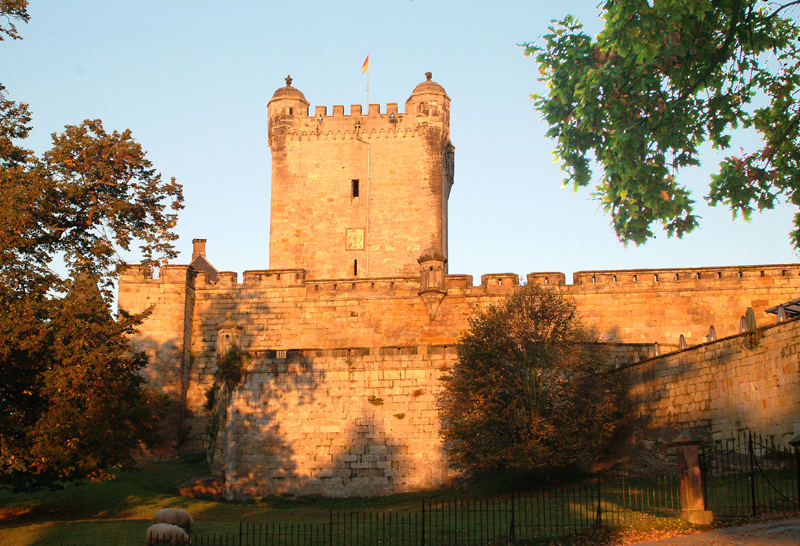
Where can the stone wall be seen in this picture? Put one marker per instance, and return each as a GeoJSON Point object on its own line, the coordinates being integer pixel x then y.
{"type": "Point", "coordinates": [367, 321]}
{"type": "Point", "coordinates": [168, 293]}
{"type": "Point", "coordinates": [317, 423]}
{"type": "Point", "coordinates": [647, 305]}
{"type": "Point", "coordinates": [747, 381]}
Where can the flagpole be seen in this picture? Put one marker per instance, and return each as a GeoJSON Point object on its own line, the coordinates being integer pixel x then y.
{"type": "Point", "coordinates": [365, 68]}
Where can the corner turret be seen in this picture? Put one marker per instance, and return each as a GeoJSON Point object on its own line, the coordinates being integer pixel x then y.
{"type": "Point", "coordinates": [286, 104]}
{"type": "Point", "coordinates": [428, 102]}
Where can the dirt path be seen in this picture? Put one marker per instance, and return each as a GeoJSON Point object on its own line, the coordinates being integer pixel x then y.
{"type": "Point", "coordinates": [784, 532]}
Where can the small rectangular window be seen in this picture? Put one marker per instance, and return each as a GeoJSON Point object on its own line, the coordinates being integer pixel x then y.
{"type": "Point", "coordinates": [355, 268]}
{"type": "Point", "coordinates": [354, 184]}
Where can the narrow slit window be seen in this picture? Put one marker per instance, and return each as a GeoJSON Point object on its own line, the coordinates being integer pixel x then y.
{"type": "Point", "coordinates": [354, 187]}
{"type": "Point", "coordinates": [355, 268]}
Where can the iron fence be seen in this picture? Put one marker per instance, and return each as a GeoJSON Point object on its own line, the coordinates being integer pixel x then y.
{"type": "Point", "coordinates": [749, 474]}
{"type": "Point", "coordinates": [519, 516]}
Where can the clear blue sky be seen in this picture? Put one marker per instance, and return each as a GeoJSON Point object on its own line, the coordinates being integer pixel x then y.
{"type": "Point", "coordinates": [192, 80]}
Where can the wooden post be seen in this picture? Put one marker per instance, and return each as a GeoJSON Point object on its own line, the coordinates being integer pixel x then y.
{"type": "Point", "coordinates": [690, 486]}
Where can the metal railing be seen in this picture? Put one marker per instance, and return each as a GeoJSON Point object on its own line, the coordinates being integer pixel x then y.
{"type": "Point", "coordinates": [550, 512]}
{"type": "Point", "coordinates": [749, 474]}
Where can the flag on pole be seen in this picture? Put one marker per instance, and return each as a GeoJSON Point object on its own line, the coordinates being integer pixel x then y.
{"type": "Point", "coordinates": [365, 66]}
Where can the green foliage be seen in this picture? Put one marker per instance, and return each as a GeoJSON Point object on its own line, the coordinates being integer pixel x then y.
{"type": "Point", "coordinates": [229, 373]}
{"type": "Point", "coordinates": [525, 392]}
{"type": "Point", "coordinates": [230, 368]}
{"type": "Point", "coordinates": [72, 403]}
{"type": "Point", "coordinates": [658, 81]}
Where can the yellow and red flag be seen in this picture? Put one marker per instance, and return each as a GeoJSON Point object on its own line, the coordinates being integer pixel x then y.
{"type": "Point", "coordinates": [365, 66]}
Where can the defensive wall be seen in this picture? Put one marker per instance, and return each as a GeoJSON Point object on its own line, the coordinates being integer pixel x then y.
{"type": "Point", "coordinates": [335, 423]}
{"type": "Point", "coordinates": [340, 396]}
{"type": "Point", "coordinates": [745, 381]}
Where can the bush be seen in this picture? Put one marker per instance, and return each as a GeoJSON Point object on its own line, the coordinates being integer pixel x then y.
{"type": "Point", "coordinates": [526, 392]}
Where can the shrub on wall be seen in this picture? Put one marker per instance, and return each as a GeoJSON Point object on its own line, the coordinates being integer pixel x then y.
{"type": "Point", "coordinates": [229, 373]}
{"type": "Point", "coordinates": [525, 392]}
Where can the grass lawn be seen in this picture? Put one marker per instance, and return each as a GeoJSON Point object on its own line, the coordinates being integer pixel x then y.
{"type": "Point", "coordinates": [119, 511]}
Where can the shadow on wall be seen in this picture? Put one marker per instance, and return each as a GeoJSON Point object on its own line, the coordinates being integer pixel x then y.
{"type": "Point", "coordinates": [227, 321]}
{"type": "Point", "coordinates": [306, 426]}
{"type": "Point", "coordinates": [746, 381]}
{"type": "Point", "coordinates": [163, 372]}
{"type": "Point", "coordinates": [371, 462]}
{"type": "Point", "coordinates": [253, 450]}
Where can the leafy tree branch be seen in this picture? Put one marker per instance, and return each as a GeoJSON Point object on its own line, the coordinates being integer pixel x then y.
{"type": "Point", "coordinates": [662, 78]}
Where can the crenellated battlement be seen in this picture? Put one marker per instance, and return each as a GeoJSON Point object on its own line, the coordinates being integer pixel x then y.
{"type": "Point", "coordinates": [166, 273]}
{"type": "Point", "coordinates": [357, 124]}
{"type": "Point", "coordinates": [683, 275]}
{"type": "Point", "coordinates": [548, 278]}
{"type": "Point", "coordinates": [490, 283]}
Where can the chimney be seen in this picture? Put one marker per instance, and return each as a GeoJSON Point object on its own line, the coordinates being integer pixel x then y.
{"type": "Point", "coordinates": [198, 248]}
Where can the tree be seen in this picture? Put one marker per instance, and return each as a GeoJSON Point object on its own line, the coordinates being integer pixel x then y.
{"type": "Point", "coordinates": [91, 411]}
{"type": "Point", "coordinates": [72, 404]}
{"type": "Point", "coordinates": [526, 391]}
{"type": "Point", "coordinates": [662, 78]}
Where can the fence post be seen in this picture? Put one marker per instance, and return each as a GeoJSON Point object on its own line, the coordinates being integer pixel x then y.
{"type": "Point", "coordinates": [512, 518]}
{"type": "Point", "coordinates": [690, 481]}
{"type": "Point", "coordinates": [598, 520]}
{"type": "Point", "coordinates": [423, 523]}
{"type": "Point", "coordinates": [752, 473]}
{"type": "Point", "coordinates": [795, 443]}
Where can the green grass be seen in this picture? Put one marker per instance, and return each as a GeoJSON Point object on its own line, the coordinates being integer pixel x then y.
{"type": "Point", "coordinates": [119, 511]}
{"type": "Point", "coordinates": [775, 490]}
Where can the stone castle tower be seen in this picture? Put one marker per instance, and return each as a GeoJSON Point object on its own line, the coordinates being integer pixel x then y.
{"type": "Point", "coordinates": [359, 195]}
{"type": "Point", "coordinates": [352, 328]}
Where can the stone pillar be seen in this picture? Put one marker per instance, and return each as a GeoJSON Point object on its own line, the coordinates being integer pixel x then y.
{"type": "Point", "coordinates": [690, 485]}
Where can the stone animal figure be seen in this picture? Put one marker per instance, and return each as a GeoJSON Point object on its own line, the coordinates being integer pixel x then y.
{"type": "Point", "coordinates": [175, 516]}
{"type": "Point", "coordinates": [166, 533]}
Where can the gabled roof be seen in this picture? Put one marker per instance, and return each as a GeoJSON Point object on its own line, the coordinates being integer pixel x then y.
{"type": "Point", "coordinates": [201, 264]}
